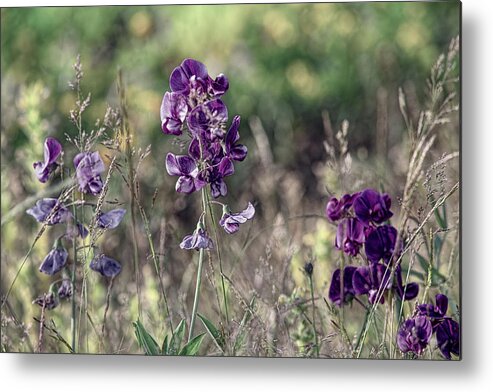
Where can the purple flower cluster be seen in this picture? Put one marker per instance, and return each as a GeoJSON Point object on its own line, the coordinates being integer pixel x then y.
{"type": "Point", "coordinates": [51, 211]}
{"type": "Point", "coordinates": [360, 218]}
{"type": "Point", "coordinates": [194, 102]}
{"type": "Point", "coordinates": [415, 333]}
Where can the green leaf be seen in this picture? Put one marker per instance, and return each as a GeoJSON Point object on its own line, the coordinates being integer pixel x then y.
{"type": "Point", "coordinates": [164, 348]}
{"type": "Point", "coordinates": [177, 338]}
{"type": "Point", "coordinates": [192, 347]}
{"type": "Point", "coordinates": [146, 341]}
{"type": "Point", "coordinates": [423, 262]}
{"type": "Point", "coordinates": [215, 334]}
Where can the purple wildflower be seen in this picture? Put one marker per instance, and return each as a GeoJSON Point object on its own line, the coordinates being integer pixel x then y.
{"type": "Point", "coordinates": [380, 243]}
{"type": "Point", "coordinates": [174, 110]}
{"type": "Point", "coordinates": [110, 219]}
{"type": "Point", "coordinates": [335, 286]}
{"type": "Point", "coordinates": [371, 281]}
{"type": "Point", "coordinates": [207, 120]}
{"type": "Point", "coordinates": [66, 289]}
{"type": "Point", "coordinates": [407, 292]}
{"type": "Point", "coordinates": [51, 208]}
{"type": "Point", "coordinates": [190, 78]}
{"type": "Point", "coordinates": [197, 240]}
{"type": "Point", "coordinates": [185, 168]}
{"type": "Point", "coordinates": [350, 236]}
{"type": "Point", "coordinates": [231, 221]}
{"type": "Point", "coordinates": [106, 266]}
{"type": "Point", "coordinates": [371, 206]}
{"type": "Point", "coordinates": [448, 338]}
{"type": "Point", "coordinates": [414, 335]}
{"type": "Point", "coordinates": [436, 313]}
{"type": "Point", "coordinates": [88, 168]}
{"type": "Point", "coordinates": [336, 209]}
{"type": "Point", "coordinates": [52, 150]}
{"type": "Point", "coordinates": [219, 86]}
{"type": "Point", "coordinates": [54, 261]}
{"type": "Point", "coordinates": [235, 151]}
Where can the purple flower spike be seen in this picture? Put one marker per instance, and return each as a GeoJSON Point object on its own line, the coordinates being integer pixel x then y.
{"type": "Point", "coordinates": [191, 74]}
{"type": "Point", "coordinates": [237, 152]}
{"type": "Point", "coordinates": [54, 261]}
{"type": "Point", "coordinates": [174, 110]}
{"type": "Point", "coordinates": [197, 240]}
{"type": "Point", "coordinates": [380, 243]}
{"type": "Point", "coordinates": [207, 120]}
{"type": "Point", "coordinates": [185, 168]}
{"type": "Point", "coordinates": [231, 221]}
{"type": "Point", "coordinates": [52, 150]}
{"type": "Point", "coordinates": [371, 206]}
{"type": "Point", "coordinates": [448, 338]}
{"type": "Point", "coordinates": [43, 209]}
{"type": "Point", "coordinates": [414, 335]}
{"type": "Point", "coordinates": [106, 266]}
{"type": "Point", "coordinates": [336, 209]}
{"type": "Point", "coordinates": [110, 219]}
{"type": "Point", "coordinates": [88, 168]}
{"type": "Point", "coordinates": [335, 286]}
{"type": "Point", "coordinates": [350, 236]}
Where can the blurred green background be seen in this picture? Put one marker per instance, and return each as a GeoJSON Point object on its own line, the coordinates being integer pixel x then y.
{"type": "Point", "coordinates": [286, 63]}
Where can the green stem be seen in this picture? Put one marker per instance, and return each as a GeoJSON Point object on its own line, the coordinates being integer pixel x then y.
{"type": "Point", "coordinates": [196, 297]}
{"type": "Point", "coordinates": [313, 315]}
{"type": "Point", "coordinates": [72, 278]}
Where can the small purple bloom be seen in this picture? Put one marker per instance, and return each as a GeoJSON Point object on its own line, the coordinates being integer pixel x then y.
{"type": "Point", "coordinates": [414, 335]}
{"type": "Point", "coordinates": [436, 313]}
{"type": "Point", "coordinates": [235, 151]}
{"type": "Point", "coordinates": [371, 206]}
{"type": "Point", "coordinates": [174, 111]}
{"type": "Point", "coordinates": [337, 208]}
{"type": "Point", "coordinates": [185, 168]}
{"type": "Point", "coordinates": [52, 150]}
{"type": "Point", "coordinates": [448, 338]}
{"type": "Point", "coordinates": [88, 168]}
{"type": "Point", "coordinates": [54, 261]}
{"type": "Point", "coordinates": [231, 221]}
{"type": "Point", "coordinates": [106, 266]}
{"type": "Point", "coordinates": [372, 280]}
{"type": "Point", "coordinates": [48, 301]}
{"type": "Point", "coordinates": [335, 286]}
{"type": "Point", "coordinates": [207, 120]}
{"type": "Point", "coordinates": [197, 240]}
{"type": "Point", "coordinates": [380, 243]}
{"type": "Point", "coordinates": [190, 75]}
{"type": "Point", "coordinates": [409, 291]}
{"type": "Point", "coordinates": [350, 236]}
{"type": "Point", "coordinates": [52, 208]}
{"type": "Point", "coordinates": [219, 86]}
{"type": "Point", "coordinates": [110, 219]}
{"type": "Point", "coordinates": [65, 290]}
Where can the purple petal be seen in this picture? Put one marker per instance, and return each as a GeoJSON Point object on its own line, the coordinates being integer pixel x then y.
{"type": "Point", "coordinates": [226, 167]}
{"type": "Point", "coordinates": [441, 301]}
{"type": "Point", "coordinates": [233, 135]}
{"type": "Point", "coordinates": [111, 219]}
{"type": "Point", "coordinates": [185, 184]}
{"type": "Point", "coordinates": [54, 261]}
{"type": "Point", "coordinates": [361, 281]}
{"type": "Point", "coordinates": [106, 266]}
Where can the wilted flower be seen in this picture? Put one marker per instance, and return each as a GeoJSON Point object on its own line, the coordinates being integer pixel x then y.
{"type": "Point", "coordinates": [54, 261]}
{"type": "Point", "coordinates": [380, 243]}
{"type": "Point", "coordinates": [52, 208]}
{"type": "Point", "coordinates": [65, 290]}
{"type": "Point", "coordinates": [335, 286]}
{"type": "Point", "coordinates": [88, 169]}
{"type": "Point", "coordinates": [414, 335]}
{"type": "Point", "coordinates": [106, 266]}
{"type": "Point", "coordinates": [48, 301]}
{"type": "Point", "coordinates": [185, 168]}
{"type": "Point", "coordinates": [448, 337]}
{"type": "Point", "coordinates": [371, 206]}
{"type": "Point", "coordinates": [231, 221]}
{"type": "Point", "coordinates": [110, 219]}
{"type": "Point", "coordinates": [350, 236]}
{"type": "Point", "coordinates": [197, 240]}
{"type": "Point", "coordinates": [52, 150]}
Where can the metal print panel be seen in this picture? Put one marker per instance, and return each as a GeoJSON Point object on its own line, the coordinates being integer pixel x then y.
{"type": "Point", "coordinates": [275, 180]}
